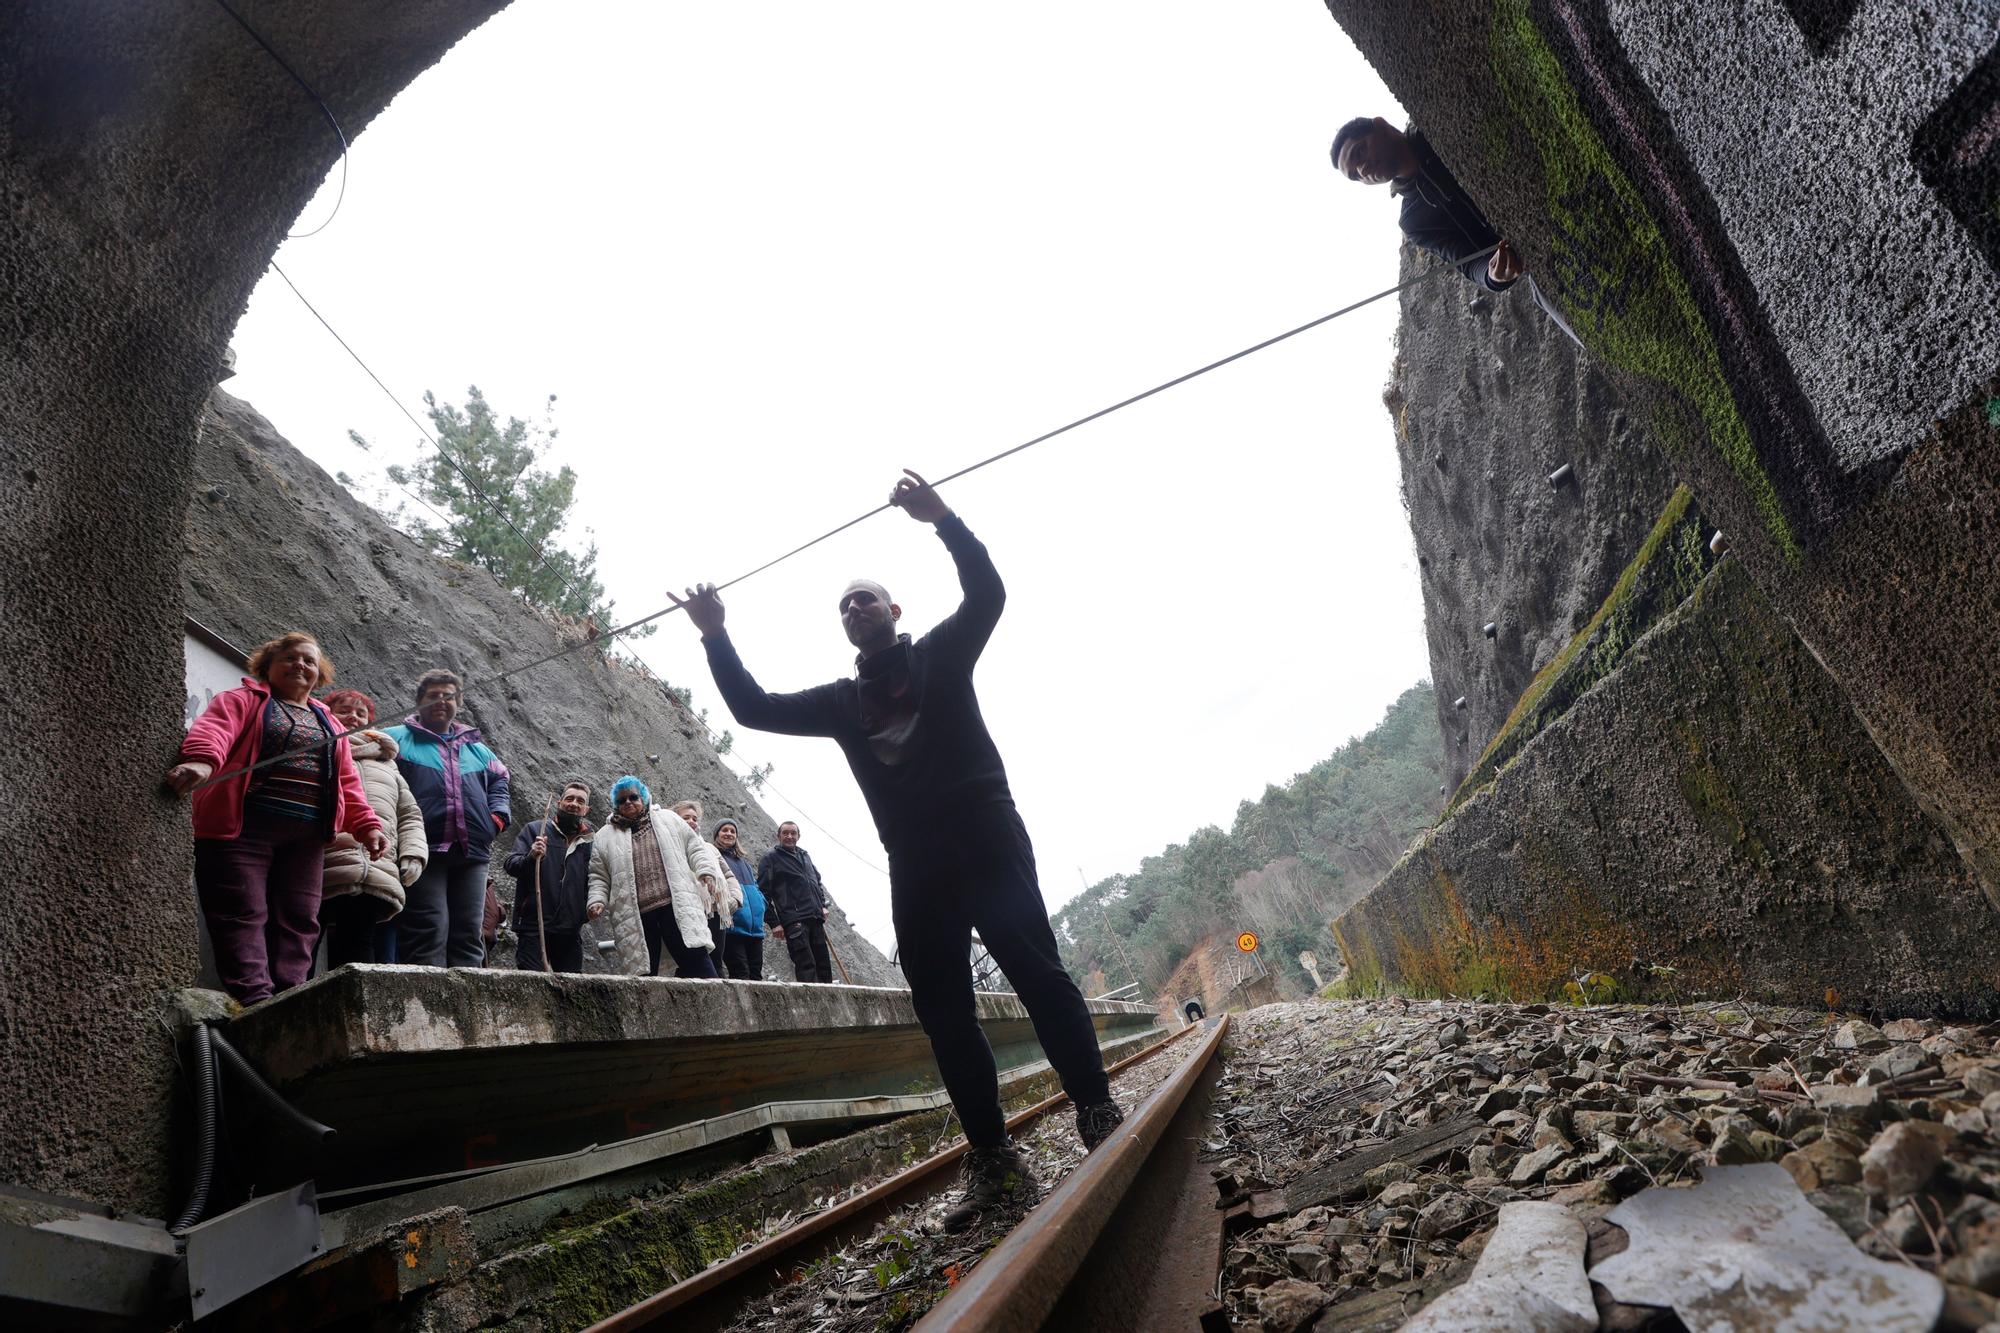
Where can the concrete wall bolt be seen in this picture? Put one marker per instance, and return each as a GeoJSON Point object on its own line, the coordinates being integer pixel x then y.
{"type": "Point", "coordinates": [1437, 461]}
{"type": "Point", "coordinates": [1459, 703]}
{"type": "Point", "coordinates": [1718, 544]}
{"type": "Point", "coordinates": [1561, 475]}
{"type": "Point", "coordinates": [1491, 629]}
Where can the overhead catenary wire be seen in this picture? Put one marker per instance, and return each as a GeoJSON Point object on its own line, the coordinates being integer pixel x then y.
{"type": "Point", "coordinates": [1009, 453]}
{"type": "Point", "coordinates": [341, 195]}
{"type": "Point", "coordinates": [621, 630]}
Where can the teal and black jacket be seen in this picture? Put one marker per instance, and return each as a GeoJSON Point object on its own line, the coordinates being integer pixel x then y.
{"type": "Point", "coordinates": [460, 784]}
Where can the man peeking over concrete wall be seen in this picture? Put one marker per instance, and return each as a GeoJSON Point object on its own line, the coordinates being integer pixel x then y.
{"type": "Point", "coordinates": [1438, 215]}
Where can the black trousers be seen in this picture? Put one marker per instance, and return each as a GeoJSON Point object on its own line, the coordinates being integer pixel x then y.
{"type": "Point", "coordinates": [565, 949]}
{"type": "Point", "coordinates": [985, 880]}
{"type": "Point", "coordinates": [805, 941]}
{"type": "Point", "coordinates": [349, 923]}
{"type": "Point", "coordinates": [743, 956]}
{"type": "Point", "coordinates": [662, 929]}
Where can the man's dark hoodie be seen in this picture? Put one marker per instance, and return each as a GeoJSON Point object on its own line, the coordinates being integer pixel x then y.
{"type": "Point", "coordinates": [791, 885]}
{"type": "Point", "coordinates": [1440, 217]}
{"type": "Point", "coordinates": [908, 721]}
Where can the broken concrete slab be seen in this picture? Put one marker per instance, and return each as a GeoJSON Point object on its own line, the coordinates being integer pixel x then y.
{"type": "Point", "coordinates": [424, 1070]}
{"type": "Point", "coordinates": [1529, 1278]}
{"type": "Point", "coordinates": [1745, 1249]}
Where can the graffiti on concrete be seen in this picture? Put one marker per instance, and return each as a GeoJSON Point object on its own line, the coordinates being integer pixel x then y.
{"type": "Point", "coordinates": [1615, 276]}
{"type": "Point", "coordinates": [1811, 133]}
{"type": "Point", "coordinates": [1810, 303]}
{"type": "Point", "coordinates": [1957, 152]}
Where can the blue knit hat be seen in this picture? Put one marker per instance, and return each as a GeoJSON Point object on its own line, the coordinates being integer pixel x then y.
{"type": "Point", "coordinates": [645, 794]}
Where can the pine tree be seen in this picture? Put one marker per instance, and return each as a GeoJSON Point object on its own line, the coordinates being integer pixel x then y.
{"type": "Point", "coordinates": [497, 509]}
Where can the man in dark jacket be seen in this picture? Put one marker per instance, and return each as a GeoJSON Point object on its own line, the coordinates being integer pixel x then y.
{"type": "Point", "coordinates": [550, 864]}
{"type": "Point", "coordinates": [462, 788]}
{"type": "Point", "coordinates": [959, 855]}
{"type": "Point", "coordinates": [795, 905]}
{"type": "Point", "coordinates": [1438, 215]}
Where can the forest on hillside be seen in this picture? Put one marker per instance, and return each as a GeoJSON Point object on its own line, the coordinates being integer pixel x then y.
{"type": "Point", "coordinates": [1295, 858]}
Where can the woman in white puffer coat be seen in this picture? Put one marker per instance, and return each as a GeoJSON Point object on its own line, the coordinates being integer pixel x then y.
{"type": "Point", "coordinates": [647, 869]}
{"type": "Point", "coordinates": [357, 895]}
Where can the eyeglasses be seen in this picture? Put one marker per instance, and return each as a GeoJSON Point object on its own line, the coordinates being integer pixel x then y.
{"type": "Point", "coordinates": [440, 698]}
{"type": "Point", "coordinates": [631, 798]}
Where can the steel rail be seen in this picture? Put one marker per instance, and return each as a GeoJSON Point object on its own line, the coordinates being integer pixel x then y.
{"type": "Point", "coordinates": [1016, 1287]}
{"type": "Point", "coordinates": [714, 1296]}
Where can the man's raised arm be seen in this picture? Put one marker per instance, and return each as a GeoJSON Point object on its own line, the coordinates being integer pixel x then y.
{"type": "Point", "coordinates": [806, 713]}
{"type": "Point", "coordinates": [967, 629]}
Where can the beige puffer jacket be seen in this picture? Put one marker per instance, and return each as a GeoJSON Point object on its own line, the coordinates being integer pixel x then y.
{"type": "Point", "coordinates": [348, 869]}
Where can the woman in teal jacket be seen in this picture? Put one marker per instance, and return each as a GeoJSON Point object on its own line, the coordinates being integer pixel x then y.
{"type": "Point", "coordinates": [743, 942]}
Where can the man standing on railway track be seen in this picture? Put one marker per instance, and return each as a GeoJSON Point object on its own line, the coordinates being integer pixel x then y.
{"type": "Point", "coordinates": [959, 855]}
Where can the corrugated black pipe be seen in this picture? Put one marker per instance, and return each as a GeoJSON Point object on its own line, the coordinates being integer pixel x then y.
{"type": "Point", "coordinates": [233, 1059]}
{"type": "Point", "coordinates": [204, 1148]}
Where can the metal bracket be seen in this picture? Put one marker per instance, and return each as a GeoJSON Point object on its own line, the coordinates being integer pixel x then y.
{"type": "Point", "coordinates": [232, 1255]}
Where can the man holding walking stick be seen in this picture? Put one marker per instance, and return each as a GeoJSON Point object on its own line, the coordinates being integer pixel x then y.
{"type": "Point", "coordinates": [550, 864]}
{"type": "Point", "coordinates": [959, 856]}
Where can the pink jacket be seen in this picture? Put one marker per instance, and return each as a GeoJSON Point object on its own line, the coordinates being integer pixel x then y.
{"type": "Point", "coordinates": [227, 735]}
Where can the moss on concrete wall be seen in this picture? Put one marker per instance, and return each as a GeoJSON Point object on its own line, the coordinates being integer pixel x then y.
{"type": "Point", "coordinates": [1665, 572]}
{"type": "Point", "coordinates": [1711, 817]}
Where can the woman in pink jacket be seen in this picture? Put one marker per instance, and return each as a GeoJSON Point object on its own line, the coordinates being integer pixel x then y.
{"type": "Point", "coordinates": [260, 838]}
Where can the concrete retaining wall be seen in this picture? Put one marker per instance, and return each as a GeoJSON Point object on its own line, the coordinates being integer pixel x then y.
{"type": "Point", "coordinates": [1714, 807]}
{"type": "Point", "coordinates": [425, 1069]}
{"type": "Point", "coordinates": [152, 158]}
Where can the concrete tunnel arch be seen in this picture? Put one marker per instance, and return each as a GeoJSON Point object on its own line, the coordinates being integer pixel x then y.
{"type": "Point", "coordinates": [153, 159]}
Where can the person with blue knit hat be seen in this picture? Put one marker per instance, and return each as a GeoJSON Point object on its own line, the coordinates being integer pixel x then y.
{"type": "Point", "coordinates": [655, 877]}
{"type": "Point", "coordinates": [743, 941]}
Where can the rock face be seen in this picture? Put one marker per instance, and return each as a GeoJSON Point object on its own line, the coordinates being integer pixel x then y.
{"type": "Point", "coordinates": [274, 543]}
{"type": "Point", "coordinates": [1489, 398]}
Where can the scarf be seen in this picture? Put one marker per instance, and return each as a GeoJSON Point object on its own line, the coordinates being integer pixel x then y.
{"type": "Point", "coordinates": [888, 699]}
{"type": "Point", "coordinates": [649, 867]}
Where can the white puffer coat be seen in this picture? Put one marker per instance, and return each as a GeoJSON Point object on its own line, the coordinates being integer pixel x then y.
{"type": "Point", "coordinates": [348, 869]}
{"type": "Point", "coordinates": [614, 883]}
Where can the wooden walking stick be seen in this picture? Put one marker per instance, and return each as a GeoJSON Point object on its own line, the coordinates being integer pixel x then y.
{"type": "Point", "coordinates": [541, 899]}
{"type": "Point", "coordinates": [841, 967]}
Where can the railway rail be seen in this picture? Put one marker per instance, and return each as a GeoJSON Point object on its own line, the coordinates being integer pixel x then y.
{"type": "Point", "coordinates": [1130, 1239]}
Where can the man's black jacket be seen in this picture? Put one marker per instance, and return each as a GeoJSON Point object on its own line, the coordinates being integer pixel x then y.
{"type": "Point", "coordinates": [950, 767]}
{"type": "Point", "coordinates": [565, 878]}
{"type": "Point", "coordinates": [1441, 218]}
{"type": "Point", "coordinates": [791, 886]}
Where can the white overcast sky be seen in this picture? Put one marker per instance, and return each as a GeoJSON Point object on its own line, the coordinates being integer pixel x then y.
{"type": "Point", "coordinates": [767, 255]}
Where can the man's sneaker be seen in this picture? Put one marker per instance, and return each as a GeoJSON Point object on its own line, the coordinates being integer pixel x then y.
{"type": "Point", "coordinates": [994, 1179]}
{"type": "Point", "coordinates": [1095, 1122]}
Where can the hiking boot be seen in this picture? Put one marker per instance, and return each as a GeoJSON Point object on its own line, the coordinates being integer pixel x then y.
{"type": "Point", "coordinates": [995, 1179]}
{"type": "Point", "coordinates": [1095, 1122]}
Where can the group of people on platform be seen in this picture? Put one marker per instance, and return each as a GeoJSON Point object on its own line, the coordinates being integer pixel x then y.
{"type": "Point", "coordinates": [382, 840]}
{"type": "Point", "coordinates": [908, 721]}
